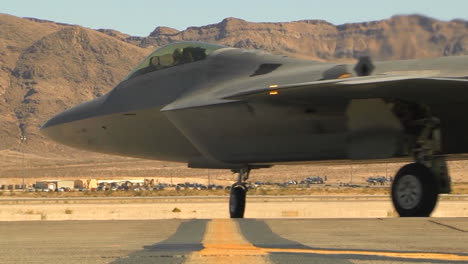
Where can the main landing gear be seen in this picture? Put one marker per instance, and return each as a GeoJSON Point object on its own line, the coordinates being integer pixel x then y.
{"type": "Point", "coordinates": [416, 186]}
{"type": "Point", "coordinates": [238, 194]}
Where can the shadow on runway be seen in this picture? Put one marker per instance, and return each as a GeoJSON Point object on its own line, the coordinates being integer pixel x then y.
{"type": "Point", "coordinates": [189, 239]}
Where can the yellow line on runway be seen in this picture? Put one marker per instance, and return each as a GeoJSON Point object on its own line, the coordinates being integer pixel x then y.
{"type": "Point", "coordinates": [224, 243]}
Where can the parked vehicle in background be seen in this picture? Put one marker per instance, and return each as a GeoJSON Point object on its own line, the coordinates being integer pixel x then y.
{"type": "Point", "coordinates": [313, 180]}
{"type": "Point", "coordinates": [378, 180]}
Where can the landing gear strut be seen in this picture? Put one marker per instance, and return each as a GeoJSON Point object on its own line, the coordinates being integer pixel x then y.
{"type": "Point", "coordinates": [238, 194]}
{"type": "Point", "coordinates": [416, 186]}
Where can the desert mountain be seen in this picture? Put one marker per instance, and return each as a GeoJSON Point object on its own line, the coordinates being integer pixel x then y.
{"type": "Point", "coordinates": [400, 37]}
{"type": "Point", "coordinates": [46, 67]}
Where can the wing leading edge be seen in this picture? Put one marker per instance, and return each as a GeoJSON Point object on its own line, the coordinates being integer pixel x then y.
{"type": "Point", "coordinates": [409, 88]}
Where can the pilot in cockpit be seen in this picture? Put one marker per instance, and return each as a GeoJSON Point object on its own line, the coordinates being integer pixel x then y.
{"type": "Point", "coordinates": [187, 55]}
{"type": "Point", "coordinates": [155, 64]}
{"type": "Point", "coordinates": [177, 56]}
{"type": "Point", "coordinates": [173, 55]}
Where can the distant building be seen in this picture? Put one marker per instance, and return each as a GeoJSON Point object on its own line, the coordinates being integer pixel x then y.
{"type": "Point", "coordinates": [55, 184]}
{"type": "Point", "coordinates": [79, 184]}
{"type": "Point", "coordinates": [92, 184]}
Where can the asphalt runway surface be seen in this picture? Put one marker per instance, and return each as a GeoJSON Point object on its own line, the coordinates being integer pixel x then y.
{"type": "Point", "coordinates": [360, 241]}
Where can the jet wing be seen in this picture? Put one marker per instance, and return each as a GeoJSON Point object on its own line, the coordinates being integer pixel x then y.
{"type": "Point", "coordinates": [408, 88]}
{"type": "Point", "coordinates": [422, 89]}
{"type": "Point", "coordinates": [196, 115]}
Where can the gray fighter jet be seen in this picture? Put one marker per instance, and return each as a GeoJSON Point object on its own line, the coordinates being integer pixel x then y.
{"type": "Point", "coordinates": [211, 106]}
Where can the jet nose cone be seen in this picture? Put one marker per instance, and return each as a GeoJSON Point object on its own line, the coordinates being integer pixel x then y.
{"type": "Point", "coordinates": [51, 122]}
{"type": "Point", "coordinates": [53, 126]}
{"type": "Point", "coordinates": [58, 127]}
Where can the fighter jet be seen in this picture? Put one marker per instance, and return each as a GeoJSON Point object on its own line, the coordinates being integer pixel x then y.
{"type": "Point", "coordinates": [212, 106]}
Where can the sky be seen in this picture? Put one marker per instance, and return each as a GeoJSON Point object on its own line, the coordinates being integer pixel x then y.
{"type": "Point", "coordinates": [140, 17]}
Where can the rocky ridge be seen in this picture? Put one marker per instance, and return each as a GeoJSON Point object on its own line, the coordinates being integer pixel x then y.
{"type": "Point", "coordinates": [399, 37]}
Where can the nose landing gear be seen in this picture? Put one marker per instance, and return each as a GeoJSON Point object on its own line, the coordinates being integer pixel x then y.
{"type": "Point", "coordinates": [238, 194]}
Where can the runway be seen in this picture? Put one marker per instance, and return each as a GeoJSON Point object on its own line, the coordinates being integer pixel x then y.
{"type": "Point", "coordinates": [359, 241]}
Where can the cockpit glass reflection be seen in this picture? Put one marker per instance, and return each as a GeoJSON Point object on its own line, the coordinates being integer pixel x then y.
{"type": "Point", "coordinates": [174, 55]}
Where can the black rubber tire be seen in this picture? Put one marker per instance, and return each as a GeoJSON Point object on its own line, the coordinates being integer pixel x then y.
{"type": "Point", "coordinates": [237, 201]}
{"type": "Point", "coordinates": [428, 194]}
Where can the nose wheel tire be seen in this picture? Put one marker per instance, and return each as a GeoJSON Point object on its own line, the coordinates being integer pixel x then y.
{"type": "Point", "coordinates": [414, 191]}
{"type": "Point", "coordinates": [237, 201]}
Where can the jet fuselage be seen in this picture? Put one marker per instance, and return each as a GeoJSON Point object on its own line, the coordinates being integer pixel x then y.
{"type": "Point", "coordinates": [179, 114]}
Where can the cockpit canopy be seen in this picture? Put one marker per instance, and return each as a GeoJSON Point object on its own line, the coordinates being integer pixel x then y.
{"type": "Point", "coordinates": [172, 55]}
